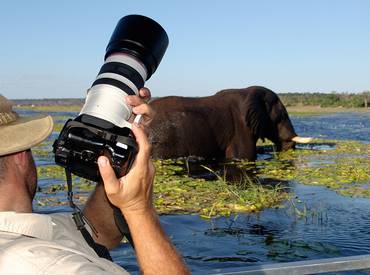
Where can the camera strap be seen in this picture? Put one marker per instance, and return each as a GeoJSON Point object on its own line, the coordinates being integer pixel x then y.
{"type": "Point", "coordinates": [122, 225]}
{"type": "Point", "coordinates": [80, 219]}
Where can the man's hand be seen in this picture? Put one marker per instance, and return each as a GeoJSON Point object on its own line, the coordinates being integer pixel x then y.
{"type": "Point", "coordinates": [139, 106]}
{"type": "Point", "coordinates": [133, 192]}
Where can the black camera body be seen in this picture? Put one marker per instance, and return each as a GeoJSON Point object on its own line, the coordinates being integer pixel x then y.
{"type": "Point", "coordinates": [80, 144]}
{"type": "Point", "coordinates": [134, 52]}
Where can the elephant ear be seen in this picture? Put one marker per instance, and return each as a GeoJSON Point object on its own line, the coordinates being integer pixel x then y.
{"type": "Point", "coordinates": [256, 116]}
{"type": "Point", "coordinates": [275, 108]}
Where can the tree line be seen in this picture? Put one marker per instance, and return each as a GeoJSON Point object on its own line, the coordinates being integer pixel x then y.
{"type": "Point", "coordinates": [347, 100]}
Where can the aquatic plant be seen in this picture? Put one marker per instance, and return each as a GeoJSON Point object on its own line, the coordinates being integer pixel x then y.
{"type": "Point", "coordinates": [178, 193]}
{"type": "Point", "coordinates": [343, 167]}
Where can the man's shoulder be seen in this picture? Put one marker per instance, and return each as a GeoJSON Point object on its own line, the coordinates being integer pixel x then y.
{"type": "Point", "coordinates": [21, 254]}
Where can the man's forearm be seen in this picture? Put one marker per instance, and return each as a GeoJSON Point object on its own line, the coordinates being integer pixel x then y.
{"type": "Point", "coordinates": [99, 212]}
{"type": "Point", "coordinates": [154, 250]}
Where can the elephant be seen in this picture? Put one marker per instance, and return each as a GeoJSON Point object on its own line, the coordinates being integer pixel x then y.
{"type": "Point", "coordinates": [225, 125]}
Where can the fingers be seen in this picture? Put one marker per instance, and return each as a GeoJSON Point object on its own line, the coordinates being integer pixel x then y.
{"type": "Point", "coordinates": [111, 183]}
{"type": "Point", "coordinates": [143, 155]}
{"type": "Point", "coordinates": [134, 100]}
{"type": "Point", "coordinates": [144, 93]}
{"type": "Point", "coordinates": [139, 106]}
{"type": "Point", "coordinates": [143, 97]}
{"type": "Point", "coordinates": [143, 109]}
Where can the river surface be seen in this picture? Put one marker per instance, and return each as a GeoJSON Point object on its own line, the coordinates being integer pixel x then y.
{"type": "Point", "coordinates": [336, 226]}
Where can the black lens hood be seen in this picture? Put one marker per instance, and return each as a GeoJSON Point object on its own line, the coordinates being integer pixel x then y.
{"type": "Point", "coordinates": [141, 37]}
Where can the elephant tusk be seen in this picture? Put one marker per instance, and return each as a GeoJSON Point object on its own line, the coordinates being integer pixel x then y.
{"type": "Point", "coordinates": [298, 139]}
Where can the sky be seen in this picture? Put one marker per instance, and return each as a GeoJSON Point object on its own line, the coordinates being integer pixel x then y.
{"type": "Point", "coordinates": [54, 49]}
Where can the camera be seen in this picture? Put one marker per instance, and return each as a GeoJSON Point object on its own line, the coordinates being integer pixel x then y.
{"type": "Point", "coordinates": [102, 127]}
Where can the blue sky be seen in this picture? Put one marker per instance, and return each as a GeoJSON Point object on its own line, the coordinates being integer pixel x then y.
{"type": "Point", "coordinates": [54, 49]}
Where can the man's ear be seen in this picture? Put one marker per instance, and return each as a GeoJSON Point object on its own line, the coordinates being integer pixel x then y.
{"type": "Point", "coordinates": [20, 159]}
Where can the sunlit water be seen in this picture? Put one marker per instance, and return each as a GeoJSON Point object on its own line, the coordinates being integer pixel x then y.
{"type": "Point", "coordinates": [335, 225]}
{"type": "Point", "coordinates": [345, 126]}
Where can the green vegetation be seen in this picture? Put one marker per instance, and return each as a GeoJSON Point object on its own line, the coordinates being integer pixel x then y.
{"type": "Point", "coordinates": [347, 100]}
{"type": "Point", "coordinates": [343, 168]}
{"type": "Point", "coordinates": [175, 192]}
{"type": "Point", "coordinates": [317, 110]}
{"type": "Point", "coordinates": [56, 102]}
{"type": "Point", "coordinates": [51, 108]}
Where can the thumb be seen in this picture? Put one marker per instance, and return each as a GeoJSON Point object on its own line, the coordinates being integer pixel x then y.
{"type": "Point", "coordinates": [111, 183]}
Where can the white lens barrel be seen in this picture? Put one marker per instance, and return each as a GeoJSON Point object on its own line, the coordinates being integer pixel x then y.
{"type": "Point", "coordinates": [121, 75]}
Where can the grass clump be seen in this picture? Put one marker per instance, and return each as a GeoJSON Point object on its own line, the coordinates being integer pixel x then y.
{"type": "Point", "coordinates": [176, 193]}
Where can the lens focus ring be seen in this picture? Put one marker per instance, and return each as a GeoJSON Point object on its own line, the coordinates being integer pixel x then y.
{"type": "Point", "coordinates": [125, 71]}
{"type": "Point", "coordinates": [113, 82]}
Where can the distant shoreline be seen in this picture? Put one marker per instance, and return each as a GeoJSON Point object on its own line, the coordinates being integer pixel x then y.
{"type": "Point", "coordinates": [75, 105]}
{"type": "Point", "coordinates": [48, 102]}
{"type": "Point", "coordinates": [314, 110]}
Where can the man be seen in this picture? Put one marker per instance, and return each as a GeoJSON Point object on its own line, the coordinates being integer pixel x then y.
{"type": "Point", "coordinates": [33, 243]}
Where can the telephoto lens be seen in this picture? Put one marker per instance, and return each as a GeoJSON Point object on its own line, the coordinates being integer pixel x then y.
{"type": "Point", "coordinates": [133, 54]}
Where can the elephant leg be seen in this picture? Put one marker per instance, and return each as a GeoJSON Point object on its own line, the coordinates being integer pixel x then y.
{"type": "Point", "coordinates": [242, 147]}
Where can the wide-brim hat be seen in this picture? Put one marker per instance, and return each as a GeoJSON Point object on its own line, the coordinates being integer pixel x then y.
{"type": "Point", "coordinates": [19, 133]}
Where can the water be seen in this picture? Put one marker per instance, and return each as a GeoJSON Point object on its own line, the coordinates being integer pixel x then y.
{"type": "Point", "coordinates": [338, 226]}
{"type": "Point", "coordinates": [335, 226]}
{"type": "Point", "coordinates": [341, 126]}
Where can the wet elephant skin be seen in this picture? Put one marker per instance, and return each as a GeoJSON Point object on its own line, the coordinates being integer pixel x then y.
{"type": "Point", "coordinates": [226, 125]}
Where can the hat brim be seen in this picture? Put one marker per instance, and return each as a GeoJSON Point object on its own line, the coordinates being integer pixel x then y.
{"type": "Point", "coordinates": [24, 133]}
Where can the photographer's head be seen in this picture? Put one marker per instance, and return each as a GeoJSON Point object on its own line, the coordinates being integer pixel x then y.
{"type": "Point", "coordinates": [17, 168]}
